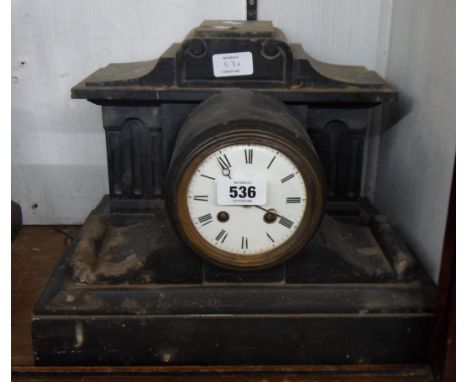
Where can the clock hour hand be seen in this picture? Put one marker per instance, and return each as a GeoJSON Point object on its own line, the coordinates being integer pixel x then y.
{"type": "Point", "coordinates": [271, 215]}
{"type": "Point", "coordinates": [264, 209]}
{"type": "Point", "coordinates": [224, 167]}
{"type": "Point", "coordinates": [270, 211]}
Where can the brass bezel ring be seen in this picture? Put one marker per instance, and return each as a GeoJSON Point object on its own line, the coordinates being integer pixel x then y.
{"type": "Point", "coordinates": [303, 159]}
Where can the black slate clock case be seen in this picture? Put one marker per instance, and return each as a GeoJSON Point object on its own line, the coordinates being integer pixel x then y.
{"type": "Point", "coordinates": [127, 291]}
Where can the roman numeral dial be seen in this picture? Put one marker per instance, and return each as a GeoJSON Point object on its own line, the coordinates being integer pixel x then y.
{"type": "Point", "coordinates": [293, 199]}
{"type": "Point", "coordinates": [201, 198]}
{"type": "Point", "coordinates": [246, 230]}
{"type": "Point", "coordinates": [288, 177]}
{"type": "Point", "coordinates": [224, 162]}
{"type": "Point", "coordinates": [286, 222]}
{"type": "Point", "coordinates": [271, 162]}
{"type": "Point", "coordinates": [221, 237]}
{"type": "Point", "coordinates": [248, 156]}
{"type": "Point", "coordinates": [245, 242]}
{"type": "Point", "coordinates": [205, 219]}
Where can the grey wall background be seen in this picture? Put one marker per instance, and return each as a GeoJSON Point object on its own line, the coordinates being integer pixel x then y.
{"type": "Point", "coordinates": [58, 147]}
{"type": "Point", "coordinates": [416, 154]}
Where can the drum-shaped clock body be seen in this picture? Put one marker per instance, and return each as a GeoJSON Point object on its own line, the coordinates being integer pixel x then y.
{"type": "Point", "coordinates": [245, 187]}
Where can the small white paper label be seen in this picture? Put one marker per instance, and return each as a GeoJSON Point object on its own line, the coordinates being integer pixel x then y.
{"type": "Point", "coordinates": [241, 192]}
{"type": "Point", "coordinates": [233, 64]}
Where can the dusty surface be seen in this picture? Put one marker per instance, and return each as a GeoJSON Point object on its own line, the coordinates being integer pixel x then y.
{"type": "Point", "coordinates": [34, 255]}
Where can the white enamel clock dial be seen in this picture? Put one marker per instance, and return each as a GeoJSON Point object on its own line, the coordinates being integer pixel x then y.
{"type": "Point", "coordinates": [246, 199]}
